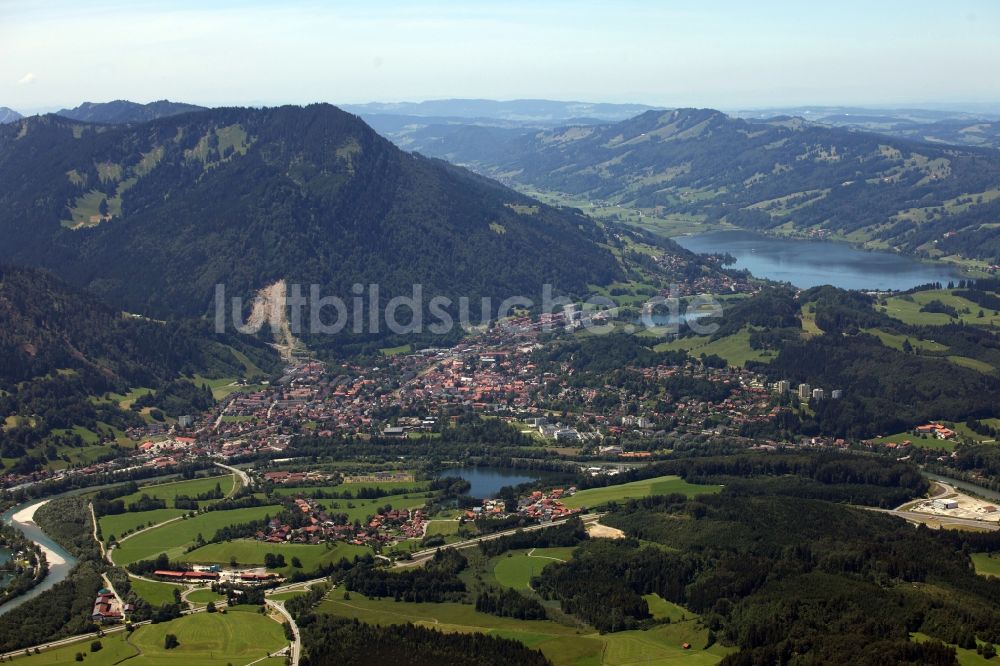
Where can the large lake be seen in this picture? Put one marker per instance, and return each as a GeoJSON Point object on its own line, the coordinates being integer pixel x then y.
{"type": "Point", "coordinates": [809, 263]}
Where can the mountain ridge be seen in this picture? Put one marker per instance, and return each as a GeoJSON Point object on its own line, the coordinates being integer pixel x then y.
{"type": "Point", "coordinates": [784, 172]}
{"type": "Point", "coordinates": [161, 212]}
{"type": "Point", "coordinates": [122, 111]}
{"type": "Point", "coordinates": [8, 115]}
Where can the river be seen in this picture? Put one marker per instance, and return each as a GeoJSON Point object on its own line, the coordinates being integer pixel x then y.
{"type": "Point", "coordinates": [810, 263]}
{"type": "Point", "coordinates": [60, 561]}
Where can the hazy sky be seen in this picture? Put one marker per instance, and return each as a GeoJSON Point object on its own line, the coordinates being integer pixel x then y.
{"type": "Point", "coordinates": [56, 53]}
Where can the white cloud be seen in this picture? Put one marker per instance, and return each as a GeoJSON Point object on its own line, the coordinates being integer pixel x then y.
{"type": "Point", "coordinates": [26, 79]}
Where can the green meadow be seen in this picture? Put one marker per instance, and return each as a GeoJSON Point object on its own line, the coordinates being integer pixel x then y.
{"type": "Point", "coordinates": [174, 538]}
{"type": "Point", "coordinates": [239, 636]}
{"type": "Point", "coordinates": [563, 645]}
{"type": "Point", "coordinates": [661, 485]}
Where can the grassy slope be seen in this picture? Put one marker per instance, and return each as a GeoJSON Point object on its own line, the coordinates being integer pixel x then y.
{"type": "Point", "coordinates": [247, 551]}
{"type": "Point", "coordinates": [661, 485]}
{"type": "Point", "coordinates": [517, 568]}
{"type": "Point", "coordinates": [560, 643]}
{"type": "Point", "coordinates": [207, 639]}
{"type": "Point", "coordinates": [155, 593]}
{"type": "Point", "coordinates": [734, 348]}
{"type": "Point", "coordinates": [191, 488]}
{"type": "Point", "coordinates": [174, 538]}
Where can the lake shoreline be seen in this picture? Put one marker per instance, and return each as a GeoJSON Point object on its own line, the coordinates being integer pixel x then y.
{"type": "Point", "coordinates": [807, 263]}
{"type": "Point", "coordinates": [965, 270]}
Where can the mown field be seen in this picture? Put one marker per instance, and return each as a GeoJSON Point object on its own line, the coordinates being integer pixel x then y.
{"type": "Point", "coordinates": [661, 485]}
{"type": "Point", "coordinates": [133, 520]}
{"type": "Point", "coordinates": [734, 348]}
{"type": "Point", "coordinates": [562, 644]}
{"type": "Point", "coordinates": [986, 564]}
{"type": "Point", "coordinates": [907, 309]}
{"type": "Point", "coordinates": [174, 538]}
{"type": "Point", "coordinates": [362, 509]}
{"type": "Point", "coordinates": [248, 551]}
{"type": "Point", "coordinates": [310, 491]}
{"type": "Point", "coordinates": [204, 596]}
{"type": "Point", "coordinates": [153, 592]}
{"type": "Point", "coordinates": [517, 568]}
{"type": "Point", "coordinates": [239, 636]}
{"type": "Point", "coordinates": [191, 488]}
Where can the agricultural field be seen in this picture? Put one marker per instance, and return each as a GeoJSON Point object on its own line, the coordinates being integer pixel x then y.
{"type": "Point", "coordinates": [516, 568]}
{"type": "Point", "coordinates": [310, 491]}
{"type": "Point", "coordinates": [734, 348]}
{"type": "Point", "coordinates": [986, 564]}
{"type": "Point", "coordinates": [248, 551]}
{"type": "Point", "coordinates": [204, 596]}
{"type": "Point", "coordinates": [154, 592]}
{"type": "Point", "coordinates": [239, 636]}
{"type": "Point", "coordinates": [223, 387]}
{"type": "Point", "coordinates": [132, 520]}
{"type": "Point", "coordinates": [563, 645]}
{"type": "Point", "coordinates": [364, 509]}
{"type": "Point", "coordinates": [896, 341]}
{"type": "Point", "coordinates": [443, 527]}
{"type": "Point", "coordinates": [907, 309]}
{"type": "Point", "coordinates": [174, 538]}
{"type": "Point", "coordinates": [661, 485]}
{"type": "Point", "coordinates": [191, 488]}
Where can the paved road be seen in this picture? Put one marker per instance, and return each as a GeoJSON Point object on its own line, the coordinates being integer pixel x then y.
{"type": "Point", "coordinates": [240, 474]}
{"type": "Point", "coordinates": [297, 642]}
{"type": "Point", "coordinates": [916, 517]}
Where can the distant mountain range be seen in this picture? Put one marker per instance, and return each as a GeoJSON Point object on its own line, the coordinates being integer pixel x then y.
{"type": "Point", "coordinates": [782, 174]}
{"type": "Point", "coordinates": [8, 115]}
{"type": "Point", "coordinates": [122, 111]}
{"type": "Point", "coordinates": [531, 111]}
{"type": "Point", "coordinates": [152, 216]}
{"type": "Point", "coordinates": [977, 128]}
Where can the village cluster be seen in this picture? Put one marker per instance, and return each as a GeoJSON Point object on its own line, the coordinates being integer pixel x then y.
{"type": "Point", "coordinates": [495, 373]}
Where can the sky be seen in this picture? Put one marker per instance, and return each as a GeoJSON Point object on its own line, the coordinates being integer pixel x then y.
{"type": "Point", "coordinates": [723, 54]}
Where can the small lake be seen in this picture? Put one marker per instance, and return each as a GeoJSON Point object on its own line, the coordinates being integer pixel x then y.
{"type": "Point", "coordinates": [487, 481]}
{"type": "Point", "coordinates": [810, 263]}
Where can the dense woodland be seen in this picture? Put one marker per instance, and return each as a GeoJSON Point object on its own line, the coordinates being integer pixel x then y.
{"type": "Point", "coordinates": [59, 347]}
{"type": "Point", "coordinates": [311, 195]}
{"type": "Point", "coordinates": [330, 641]}
{"type": "Point", "coordinates": [782, 576]}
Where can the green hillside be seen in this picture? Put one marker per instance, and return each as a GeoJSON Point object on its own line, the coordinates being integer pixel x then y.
{"type": "Point", "coordinates": [782, 175]}
{"type": "Point", "coordinates": [153, 216]}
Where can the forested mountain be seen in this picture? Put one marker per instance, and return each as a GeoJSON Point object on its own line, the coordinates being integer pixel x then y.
{"type": "Point", "coordinates": [60, 348]}
{"type": "Point", "coordinates": [50, 327]}
{"type": "Point", "coordinates": [8, 115]}
{"type": "Point", "coordinates": [784, 172]}
{"type": "Point", "coordinates": [123, 111]}
{"type": "Point", "coordinates": [151, 217]}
